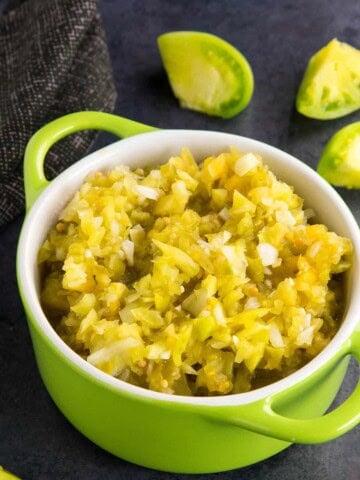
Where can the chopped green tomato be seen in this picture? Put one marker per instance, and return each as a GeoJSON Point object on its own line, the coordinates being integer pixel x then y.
{"type": "Point", "coordinates": [206, 73]}
{"type": "Point", "coordinates": [331, 84]}
{"type": "Point", "coordinates": [340, 160]}
{"type": "Point", "coordinates": [4, 475]}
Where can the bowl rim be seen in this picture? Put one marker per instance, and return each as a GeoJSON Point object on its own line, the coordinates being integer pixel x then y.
{"type": "Point", "coordinates": [101, 157]}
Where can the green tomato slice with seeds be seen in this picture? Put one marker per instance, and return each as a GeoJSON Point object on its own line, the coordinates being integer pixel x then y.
{"type": "Point", "coordinates": [340, 161]}
{"type": "Point", "coordinates": [206, 73]}
{"type": "Point", "coordinates": [331, 84]}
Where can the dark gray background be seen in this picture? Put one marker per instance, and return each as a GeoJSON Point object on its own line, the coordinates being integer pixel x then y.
{"type": "Point", "coordinates": [277, 37]}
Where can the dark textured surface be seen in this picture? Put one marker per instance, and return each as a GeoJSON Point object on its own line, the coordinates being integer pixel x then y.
{"type": "Point", "coordinates": [36, 442]}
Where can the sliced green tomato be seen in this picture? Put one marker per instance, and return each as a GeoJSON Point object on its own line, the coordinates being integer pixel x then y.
{"type": "Point", "coordinates": [206, 73]}
{"type": "Point", "coordinates": [340, 161]}
{"type": "Point", "coordinates": [331, 84]}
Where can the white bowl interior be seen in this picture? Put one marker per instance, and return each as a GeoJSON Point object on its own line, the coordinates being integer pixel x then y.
{"type": "Point", "coordinates": [155, 148]}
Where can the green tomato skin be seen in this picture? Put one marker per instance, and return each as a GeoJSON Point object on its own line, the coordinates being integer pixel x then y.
{"type": "Point", "coordinates": [340, 160]}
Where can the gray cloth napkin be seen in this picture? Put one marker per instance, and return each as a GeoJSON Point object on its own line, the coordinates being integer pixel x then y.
{"type": "Point", "coordinates": [53, 61]}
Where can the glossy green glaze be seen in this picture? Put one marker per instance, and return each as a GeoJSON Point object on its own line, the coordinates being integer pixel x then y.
{"type": "Point", "coordinates": [172, 434]}
{"type": "Point", "coordinates": [190, 438]}
{"type": "Point", "coordinates": [296, 415]}
{"type": "Point", "coordinates": [159, 435]}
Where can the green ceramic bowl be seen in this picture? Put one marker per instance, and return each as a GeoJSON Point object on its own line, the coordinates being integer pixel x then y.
{"type": "Point", "coordinates": [175, 433]}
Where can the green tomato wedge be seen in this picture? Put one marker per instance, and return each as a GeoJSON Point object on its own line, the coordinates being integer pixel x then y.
{"type": "Point", "coordinates": [340, 161]}
{"type": "Point", "coordinates": [206, 73]}
{"type": "Point", "coordinates": [331, 84]}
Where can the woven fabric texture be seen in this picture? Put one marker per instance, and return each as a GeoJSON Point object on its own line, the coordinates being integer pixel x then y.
{"type": "Point", "coordinates": [53, 61]}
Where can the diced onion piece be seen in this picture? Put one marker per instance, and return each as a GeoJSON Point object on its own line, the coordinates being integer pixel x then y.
{"type": "Point", "coordinates": [245, 164]}
{"type": "Point", "coordinates": [267, 253]}
{"type": "Point", "coordinates": [128, 248]}
{"type": "Point", "coordinates": [251, 303]}
{"type": "Point", "coordinates": [157, 351]}
{"type": "Point", "coordinates": [285, 217]}
{"type": "Point", "coordinates": [275, 336]}
{"type": "Point", "coordinates": [148, 192]}
{"type": "Point", "coordinates": [306, 336]}
{"type": "Point", "coordinates": [116, 348]}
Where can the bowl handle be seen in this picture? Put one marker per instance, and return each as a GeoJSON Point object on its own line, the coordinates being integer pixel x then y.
{"type": "Point", "coordinates": [40, 143]}
{"type": "Point", "coordinates": [260, 417]}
